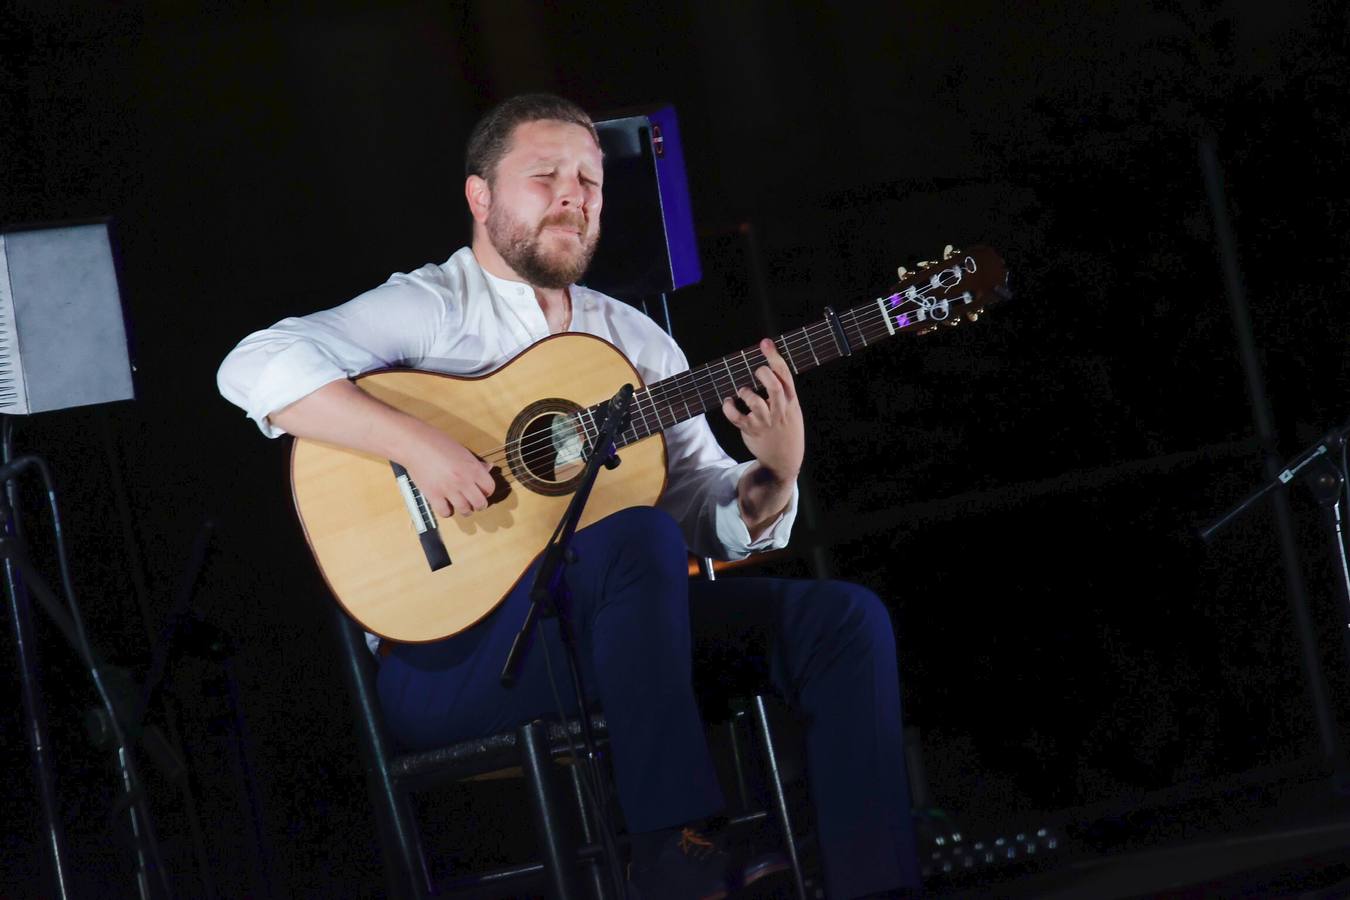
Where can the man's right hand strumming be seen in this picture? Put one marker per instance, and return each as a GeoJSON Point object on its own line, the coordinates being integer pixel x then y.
{"type": "Point", "coordinates": [449, 476]}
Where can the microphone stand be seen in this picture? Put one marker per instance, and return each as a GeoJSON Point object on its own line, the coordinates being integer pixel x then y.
{"type": "Point", "coordinates": [1325, 478]}
{"type": "Point", "coordinates": [34, 705]}
{"type": "Point", "coordinates": [21, 576]}
{"type": "Point", "coordinates": [1263, 419]}
{"type": "Point", "coordinates": [549, 595]}
{"type": "Point", "coordinates": [1312, 462]}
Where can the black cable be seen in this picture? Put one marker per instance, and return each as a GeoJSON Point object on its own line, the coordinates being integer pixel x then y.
{"type": "Point", "coordinates": [11, 486]}
{"type": "Point", "coordinates": [596, 793]}
{"type": "Point", "coordinates": [1344, 493]}
{"type": "Point", "coordinates": [131, 780]}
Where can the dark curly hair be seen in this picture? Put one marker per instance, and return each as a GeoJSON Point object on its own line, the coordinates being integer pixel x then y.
{"type": "Point", "coordinates": [490, 139]}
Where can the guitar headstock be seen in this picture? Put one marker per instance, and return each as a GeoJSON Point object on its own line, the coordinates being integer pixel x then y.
{"type": "Point", "coordinates": [944, 292]}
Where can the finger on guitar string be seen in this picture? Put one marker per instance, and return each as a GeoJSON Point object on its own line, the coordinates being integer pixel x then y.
{"type": "Point", "coordinates": [448, 474]}
{"type": "Point", "coordinates": [733, 413]}
{"type": "Point", "coordinates": [758, 407]}
{"type": "Point", "coordinates": [779, 367]}
{"type": "Point", "coordinates": [772, 390]}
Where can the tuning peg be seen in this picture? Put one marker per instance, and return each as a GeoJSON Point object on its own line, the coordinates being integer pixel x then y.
{"type": "Point", "coordinates": [947, 252]}
{"type": "Point", "coordinates": [974, 317]}
{"type": "Point", "coordinates": [902, 272]}
{"type": "Point", "coordinates": [954, 321]}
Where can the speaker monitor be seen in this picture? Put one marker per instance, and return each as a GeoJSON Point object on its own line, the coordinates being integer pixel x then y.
{"type": "Point", "coordinates": [63, 339]}
{"type": "Point", "coordinates": [647, 245]}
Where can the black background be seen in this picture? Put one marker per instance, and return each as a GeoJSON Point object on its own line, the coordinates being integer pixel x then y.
{"type": "Point", "coordinates": [1065, 641]}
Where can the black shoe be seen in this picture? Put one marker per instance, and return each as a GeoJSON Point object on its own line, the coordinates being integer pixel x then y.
{"type": "Point", "coordinates": [689, 866]}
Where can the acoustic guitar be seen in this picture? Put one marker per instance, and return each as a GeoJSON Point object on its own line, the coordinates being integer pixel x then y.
{"type": "Point", "coordinates": [407, 575]}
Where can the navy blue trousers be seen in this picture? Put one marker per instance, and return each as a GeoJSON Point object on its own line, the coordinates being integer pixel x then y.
{"type": "Point", "coordinates": [825, 646]}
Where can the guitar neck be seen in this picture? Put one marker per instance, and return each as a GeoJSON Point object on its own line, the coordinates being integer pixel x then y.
{"type": "Point", "coordinates": [698, 390]}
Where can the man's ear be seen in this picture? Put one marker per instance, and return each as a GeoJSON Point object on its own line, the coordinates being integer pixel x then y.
{"type": "Point", "coordinates": [479, 194]}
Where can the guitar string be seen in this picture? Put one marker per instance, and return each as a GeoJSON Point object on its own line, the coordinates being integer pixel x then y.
{"type": "Point", "coordinates": [876, 329]}
{"type": "Point", "coordinates": [879, 326]}
{"type": "Point", "coordinates": [863, 329]}
{"type": "Point", "coordinates": [681, 390]}
{"type": "Point", "coordinates": [913, 295]}
{"type": "Point", "coordinates": [707, 376]}
{"type": "Point", "coordinates": [868, 328]}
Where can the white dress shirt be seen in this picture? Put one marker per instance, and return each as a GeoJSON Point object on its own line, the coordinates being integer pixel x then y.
{"type": "Point", "coordinates": [458, 319]}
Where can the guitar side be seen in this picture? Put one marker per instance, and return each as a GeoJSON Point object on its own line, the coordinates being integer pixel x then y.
{"type": "Point", "coordinates": [359, 528]}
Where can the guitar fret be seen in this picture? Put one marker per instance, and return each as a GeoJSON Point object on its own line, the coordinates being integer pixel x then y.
{"type": "Point", "coordinates": [655, 414]}
{"type": "Point", "coordinates": [853, 319]}
{"type": "Point", "coordinates": [787, 354]}
{"type": "Point", "coordinates": [637, 407]}
{"type": "Point", "coordinates": [691, 381]}
{"type": "Point", "coordinates": [810, 346]}
{"type": "Point", "coordinates": [654, 407]}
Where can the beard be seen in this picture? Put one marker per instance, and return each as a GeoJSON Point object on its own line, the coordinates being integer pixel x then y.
{"type": "Point", "coordinates": [524, 249]}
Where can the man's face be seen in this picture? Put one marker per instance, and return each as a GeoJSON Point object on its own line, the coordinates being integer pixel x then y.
{"type": "Point", "coordinates": [544, 217]}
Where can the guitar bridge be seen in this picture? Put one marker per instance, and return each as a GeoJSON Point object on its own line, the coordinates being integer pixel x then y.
{"type": "Point", "coordinates": [423, 519]}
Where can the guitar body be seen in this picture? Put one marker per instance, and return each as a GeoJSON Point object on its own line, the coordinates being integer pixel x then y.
{"type": "Point", "coordinates": [359, 526]}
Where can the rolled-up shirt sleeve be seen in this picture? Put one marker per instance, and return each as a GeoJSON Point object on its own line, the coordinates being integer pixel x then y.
{"type": "Point", "coordinates": [702, 496]}
{"type": "Point", "coordinates": [393, 324]}
{"type": "Point", "coordinates": [701, 490]}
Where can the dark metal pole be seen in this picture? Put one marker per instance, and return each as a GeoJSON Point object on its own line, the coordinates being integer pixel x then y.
{"type": "Point", "coordinates": [1265, 430]}
{"type": "Point", "coordinates": [779, 797]}
{"type": "Point", "coordinates": [35, 712]}
{"type": "Point", "coordinates": [558, 844]}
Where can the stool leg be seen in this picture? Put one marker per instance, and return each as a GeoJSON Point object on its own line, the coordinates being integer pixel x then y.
{"type": "Point", "coordinates": [780, 798]}
{"type": "Point", "coordinates": [405, 860]}
{"type": "Point", "coordinates": [734, 733]}
{"type": "Point", "coordinates": [408, 840]}
{"type": "Point", "coordinates": [595, 868]}
{"type": "Point", "coordinates": [556, 844]}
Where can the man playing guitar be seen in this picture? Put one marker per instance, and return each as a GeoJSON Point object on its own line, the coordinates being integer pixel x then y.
{"type": "Point", "coordinates": [534, 189]}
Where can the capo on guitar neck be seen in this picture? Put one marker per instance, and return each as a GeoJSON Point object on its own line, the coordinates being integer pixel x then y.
{"type": "Point", "coordinates": [839, 338]}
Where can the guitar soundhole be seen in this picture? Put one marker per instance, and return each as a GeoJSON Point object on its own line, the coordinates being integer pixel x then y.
{"type": "Point", "coordinates": [545, 446]}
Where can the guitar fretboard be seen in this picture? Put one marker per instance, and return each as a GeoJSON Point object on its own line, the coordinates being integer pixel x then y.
{"type": "Point", "coordinates": [696, 391]}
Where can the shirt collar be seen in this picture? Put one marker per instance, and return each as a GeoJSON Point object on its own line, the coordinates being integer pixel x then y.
{"type": "Point", "coordinates": [512, 291]}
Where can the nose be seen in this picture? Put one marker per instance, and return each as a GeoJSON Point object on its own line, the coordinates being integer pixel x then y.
{"type": "Point", "coordinates": [571, 193]}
